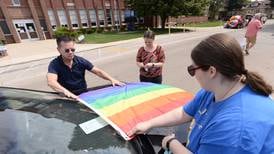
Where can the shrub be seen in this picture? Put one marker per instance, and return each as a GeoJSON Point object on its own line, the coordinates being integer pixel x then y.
{"type": "Point", "coordinates": [100, 30]}
{"type": "Point", "coordinates": [123, 28]}
{"type": "Point", "coordinates": [82, 31]}
{"type": "Point", "coordinates": [90, 30]}
{"type": "Point", "coordinates": [63, 31]}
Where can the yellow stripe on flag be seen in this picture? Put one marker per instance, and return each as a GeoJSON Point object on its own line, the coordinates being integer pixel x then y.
{"type": "Point", "coordinates": [133, 101]}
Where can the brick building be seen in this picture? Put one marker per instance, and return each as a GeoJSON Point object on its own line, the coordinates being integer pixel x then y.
{"type": "Point", "coordinates": [22, 20]}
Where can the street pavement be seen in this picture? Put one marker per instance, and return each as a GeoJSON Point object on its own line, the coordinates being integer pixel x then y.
{"type": "Point", "coordinates": [26, 65]}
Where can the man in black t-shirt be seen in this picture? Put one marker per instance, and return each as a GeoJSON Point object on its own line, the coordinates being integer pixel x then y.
{"type": "Point", "coordinates": [66, 73]}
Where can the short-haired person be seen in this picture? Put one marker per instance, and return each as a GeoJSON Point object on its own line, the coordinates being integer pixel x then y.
{"type": "Point", "coordinates": [232, 113]}
{"type": "Point", "coordinates": [150, 59]}
{"type": "Point", "coordinates": [66, 73]}
{"type": "Point", "coordinates": [251, 32]}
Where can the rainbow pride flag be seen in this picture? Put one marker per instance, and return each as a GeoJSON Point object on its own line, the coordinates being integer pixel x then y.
{"type": "Point", "coordinates": [124, 107]}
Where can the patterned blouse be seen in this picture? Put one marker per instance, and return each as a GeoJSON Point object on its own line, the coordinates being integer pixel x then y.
{"type": "Point", "coordinates": [145, 57]}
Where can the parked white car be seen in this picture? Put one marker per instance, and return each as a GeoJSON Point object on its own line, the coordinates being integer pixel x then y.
{"type": "Point", "coordinates": [3, 50]}
{"type": "Point", "coordinates": [263, 18]}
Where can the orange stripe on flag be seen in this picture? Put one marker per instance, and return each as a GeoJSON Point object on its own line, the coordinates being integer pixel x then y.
{"type": "Point", "coordinates": [134, 112]}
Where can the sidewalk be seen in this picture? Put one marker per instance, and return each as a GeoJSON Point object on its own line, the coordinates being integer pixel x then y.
{"type": "Point", "coordinates": [41, 49]}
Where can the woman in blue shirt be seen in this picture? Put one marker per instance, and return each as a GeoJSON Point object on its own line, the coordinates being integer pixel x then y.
{"type": "Point", "coordinates": [232, 113]}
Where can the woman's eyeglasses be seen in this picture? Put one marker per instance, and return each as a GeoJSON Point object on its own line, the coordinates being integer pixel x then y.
{"type": "Point", "coordinates": [69, 49]}
{"type": "Point", "coordinates": [191, 69]}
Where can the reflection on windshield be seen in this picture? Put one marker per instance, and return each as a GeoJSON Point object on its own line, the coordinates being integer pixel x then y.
{"type": "Point", "coordinates": [35, 123]}
{"type": "Point", "coordinates": [28, 133]}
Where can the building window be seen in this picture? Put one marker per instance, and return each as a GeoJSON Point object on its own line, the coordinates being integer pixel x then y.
{"type": "Point", "coordinates": [93, 19]}
{"type": "Point", "coordinates": [107, 3]}
{"type": "Point", "coordinates": [109, 16]}
{"type": "Point", "coordinates": [123, 17]}
{"type": "Point", "coordinates": [116, 17]}
{"type": "Point", "coordinates": [52, 19]}
{"type": "Point", "coordinates": [62, 18]}
{"type": "Point", "coordinates": [4, 27]}
{"type": "Point", "coordinates": [43, 24]}
{"type": "Point", "coordinates": [101, 17]}
{"type": "Point", "coordinates": [74, 19]}
{"type": "Point", "coordinates": [16, 2]}
{"type": "Point", "coordinates": [141, 20]}
{"type": "Point", "coordinates": [84, 18]}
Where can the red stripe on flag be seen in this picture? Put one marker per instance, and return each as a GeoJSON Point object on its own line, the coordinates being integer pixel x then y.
{"type": "Point", "coordinates": [149, 115]}
{"type": "Point", "coordinates": [150, 109]}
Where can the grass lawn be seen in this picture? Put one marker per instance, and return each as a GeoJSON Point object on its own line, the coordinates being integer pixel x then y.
{"type": "Point", "coordinates": [206, 24]}
{"type": "Point", "coordinates": [106, 37]}
{"type": "Point", "coordinates": [111, 36]}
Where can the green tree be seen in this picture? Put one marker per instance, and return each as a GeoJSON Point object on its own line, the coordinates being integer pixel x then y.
{"type": "Point", "coordinates": [214, 6]}
{"type": "Point", "coordinates": [236, 4]}
{"type": "Point", "coordinates": [166, 8]}
{"type": "Point", "coordinates": [272, 3]}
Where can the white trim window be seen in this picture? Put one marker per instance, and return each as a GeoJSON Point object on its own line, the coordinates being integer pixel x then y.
{"type": "Point", "coordinates": [73, 19]}
{"type": "Point", "coordinates": [109, 17]}
{"type": "Point", "coordinates": [52, 19]}
{"type": "Point", "coordinates": [93, 18]}
{"type": "Point", "coordinates": [84, 18]}
{"type": "Point", "coordinates": [16, 3]}
{"type": "Point", "coordinates": [116, 17]}
{"type": "Point", "coordinates": [62, 18]}
{"type": "Point", "coordinates": [122, 13]}
{"type": "Point", "coordinates": [101, 16]}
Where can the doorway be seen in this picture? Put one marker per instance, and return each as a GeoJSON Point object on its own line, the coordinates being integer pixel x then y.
{"type": "Point", "coordinates": [26, 29]}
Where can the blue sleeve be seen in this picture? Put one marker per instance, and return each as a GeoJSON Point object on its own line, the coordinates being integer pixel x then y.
{"type": "Point", "coordinates": [192, 107]}
{"type": "Point", "coordinates": [87, 64]}
{"type": "Point", "coordinates": [52, 68]}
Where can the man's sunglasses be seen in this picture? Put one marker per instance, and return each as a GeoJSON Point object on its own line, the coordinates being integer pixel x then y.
{"type": "Point", "coordinates": [191, 69]}
{"type": "Point", "coordinates": [69, 49]}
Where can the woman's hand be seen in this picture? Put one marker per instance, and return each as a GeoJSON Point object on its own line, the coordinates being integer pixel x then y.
{"type": "Point", "coordinates": [140, 128]}
{"type": "Point", "coordinates": [149, 65]}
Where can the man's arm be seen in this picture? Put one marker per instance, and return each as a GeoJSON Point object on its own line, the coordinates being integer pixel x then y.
{"type": "Point", "coordinates": [52, 80]}
{"type": "Point", "coordinates": [102, 74]}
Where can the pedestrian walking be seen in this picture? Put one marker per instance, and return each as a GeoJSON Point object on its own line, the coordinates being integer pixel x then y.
{"type": "Point", "coordinates": [150, 59]}
{"type": "Point", "coordinates": [251, 33]}
{"type": "Point", "coordinates": [232, 113]}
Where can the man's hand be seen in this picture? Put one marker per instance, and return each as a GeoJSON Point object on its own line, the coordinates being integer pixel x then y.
{"type": "Point", "coordinates": [116, 82]}
{"type": "Point", "coordinates": [53, 83]}
{"type": "Point", "coordinates": [70, 95]}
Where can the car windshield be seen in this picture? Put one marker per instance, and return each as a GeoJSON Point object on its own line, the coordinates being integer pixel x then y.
{"type": "Point", "coordinates": [36, 122]}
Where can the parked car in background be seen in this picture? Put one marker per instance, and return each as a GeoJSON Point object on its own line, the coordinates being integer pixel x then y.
{"type": "Point", "coordinates": [236, 21]}
{"type": "Point", "coordinates": [263, 18]}
{"type": "Point", "coordinates": [248, 18]}
{"type": "Point", "coordinates": [3, 49]}
{"type": "Point", "coordinates": [43, 122]}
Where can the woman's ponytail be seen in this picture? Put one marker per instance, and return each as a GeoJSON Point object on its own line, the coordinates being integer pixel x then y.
{"type": "Point", "coordinates": [256, 82]}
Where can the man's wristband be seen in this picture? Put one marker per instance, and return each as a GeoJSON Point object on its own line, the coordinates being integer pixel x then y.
{"type": "Point", "coordinates": [169, 141]}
